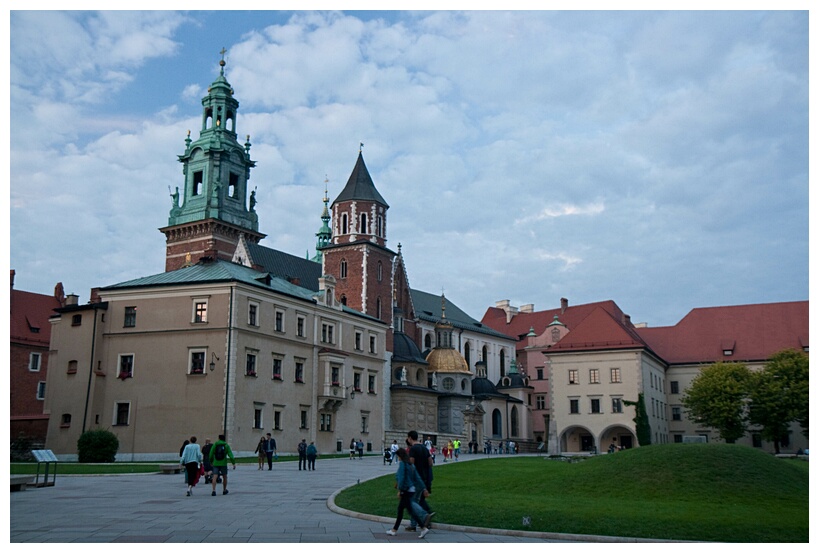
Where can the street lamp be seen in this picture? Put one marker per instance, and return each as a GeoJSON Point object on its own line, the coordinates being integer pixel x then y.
{"type": "Point", "coordinates": [212, 362]}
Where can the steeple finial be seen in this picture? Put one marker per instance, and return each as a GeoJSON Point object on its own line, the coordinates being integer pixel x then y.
{"type": "Point", "coordinates": [222, 61]}
{"type": "Point", "coordinates": [443, 304]}
{"type": "Point", "coordinates": [360, 147]}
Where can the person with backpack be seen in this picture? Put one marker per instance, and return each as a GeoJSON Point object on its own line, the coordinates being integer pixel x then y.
{"type": "Point", "coordinates": [302, 449]}
{"type": "Point", "coordinates": [219, 454]}
{"type": "Point", "coordinates": [312, 453]}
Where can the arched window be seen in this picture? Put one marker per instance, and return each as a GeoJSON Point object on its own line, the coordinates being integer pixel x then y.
{"type": "Point", "coordinates": [379, 272]}
{"type": "Point", "coordinates": [363, 228]}
{"type": "Point", "coordinates": [344, 223]}
{"type": "Point", "coordinates": [343, 269]}
{"type": "Point", "coordinates": [343, 300]}
{"type": "Point", "coordinates": [428, 341]}
{"type": "Point", "coordinates": [497, 426]}
{"type": "Point", "coordinates": [467, 355]}
{"type": "Point", "coordinates": [513, 421]}
{"type": "Point", "coordinates": [503, 362]}
{"type": "Point", "coordinates": [485, 357]}
{"type": "Point", "coordinates": [377, 308]}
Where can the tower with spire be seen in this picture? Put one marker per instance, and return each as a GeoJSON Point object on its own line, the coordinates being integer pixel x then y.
{"type": "Point", "coordinates": [324, 235]}
{"type": "Point", "coordinates": [213, 209]}
{"type": "Point", "coordinates": [356, 253]}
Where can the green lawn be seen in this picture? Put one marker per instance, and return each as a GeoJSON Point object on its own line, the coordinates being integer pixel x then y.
{"type": "Point", "coordinates": [703, 492]}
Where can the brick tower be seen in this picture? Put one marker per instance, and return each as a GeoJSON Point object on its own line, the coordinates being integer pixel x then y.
{"type": "Point", "coordinates": [357, 255]}
{"type": "Point", "coordinates": [214, 210]}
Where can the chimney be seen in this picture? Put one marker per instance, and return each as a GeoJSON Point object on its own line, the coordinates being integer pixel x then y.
{"type": "Point", "coordinates": [507, 307]}
{"type": "Point", "coordinates": [95, 295]}
{"type": "Point", "coordinates": [528, 308]}
{"type": "Point", "coordinates": [13, 272]}
{"type": "Point", "coordinates": [72, 299]}
{"type": "Point", "coordinates": [627, 319]}
{"type": "Point", "coordinates": [564, 305]}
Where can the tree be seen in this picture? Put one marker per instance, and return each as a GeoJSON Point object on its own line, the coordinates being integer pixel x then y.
{"type": "Point", "coordinates": [640, 419]}
{"type": "Point", "coordinates": [779, 396]}
{"type": "Point", "coordinates": [718, 397]}
{"type": "Point", "coordinates": [97, 446]}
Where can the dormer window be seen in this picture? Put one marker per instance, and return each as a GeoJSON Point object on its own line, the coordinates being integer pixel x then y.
{"type": "Point", "coordinates": [728, 347]}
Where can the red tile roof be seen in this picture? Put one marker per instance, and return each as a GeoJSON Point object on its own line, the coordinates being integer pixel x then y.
{"type": "Point", "coordinates": [754, 331]}
{"type": "Point", "coordinates": [520, 324]}
{"type": "Point", "coordinates": [600, 330]}
{"type": "Point", "coordinates": [29, 317]}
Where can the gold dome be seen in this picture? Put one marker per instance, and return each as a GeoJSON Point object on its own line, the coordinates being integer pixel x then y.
{"type": "Point", "coordinates": [446, 360]}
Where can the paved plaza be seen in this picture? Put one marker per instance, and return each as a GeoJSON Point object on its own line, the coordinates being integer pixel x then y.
{"type": "Point", "coordinates": [283, 505]}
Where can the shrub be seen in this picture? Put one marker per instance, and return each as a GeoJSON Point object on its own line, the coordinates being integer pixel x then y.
{"type": "Point", "coordinates": [21, 448]}
{"type": "Point", "coordinates": [97, 446]}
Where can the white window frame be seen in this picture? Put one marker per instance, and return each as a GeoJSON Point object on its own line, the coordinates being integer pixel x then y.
{"type": "Point", "coordinates": [119, 364]}
{"type": "Point", "coordinates": [194, 310]}
{"type": "Point", "coordinates": [251, 314]}
{"type": "Point", "coordinates": [191, 352]}
{"type": "Point", "coordinates": [279, 317]}
{"type": "Point", "coordinates": [116, 411]}
{"type": "Point", "coordinates": [32, 365]}
{"type": "Point", "coordinates": [41, 390]}
{"type": "Point", "coordinates": [258, 408]}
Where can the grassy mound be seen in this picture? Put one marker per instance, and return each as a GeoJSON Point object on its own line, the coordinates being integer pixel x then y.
{"type": "Point", "coordinates": [708, 492]}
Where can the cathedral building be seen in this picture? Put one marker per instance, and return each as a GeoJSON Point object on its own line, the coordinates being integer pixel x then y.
{"type": "Point", "coordinates": [238, 338]}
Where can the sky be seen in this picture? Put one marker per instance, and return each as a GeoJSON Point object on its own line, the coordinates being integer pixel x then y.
{"type": "Point", "coordinates": [655, 158]}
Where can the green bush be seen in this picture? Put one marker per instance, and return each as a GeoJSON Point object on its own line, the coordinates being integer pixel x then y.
{"type": "Point", "coordinates": [97, 446]}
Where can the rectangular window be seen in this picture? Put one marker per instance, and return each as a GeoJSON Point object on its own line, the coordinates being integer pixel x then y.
{"type": "Point", "coordinates": [76, 320]}
{"type": "Point", "coordinates": [126, 365]}
{"type": "Point", "coordinates": [326, 422]}
{"type": "Point", "coordinates": [250, 364]}
{"type": "Point", "coordinates": [200, 311]}
{"type": "Point", "coordinates": [678, 438]}
{"type": "Point", "coordinates": [122, 413]}
{"type": "Point", "coordinates": [616, 405]}
{"type": "Point", "coordinates": [358, 341]}
{"type": "Point", "coordinates": [594, 376]}
{"type": "Point", "coordinates": [595, 405]}
{"type": "Point", "coordinates": [279, 321]}
{"type": "Point", "coordinates": [130, 317]}
{"type": "Point", "coordinates": [41, 390]}
{"type": "Point", "coordinates": [573, 377]}
{"type": "Point", "coordinates": [365, 424]}
{"type": "Point", "coordinates": [253, 314]}
{"type": "Point", "coordinates": [540, 402]}
{"type": "Point", "coordinates": [371, 384]}
{"type": "Point", "coordinates": [72, 367]}
{"type": "Point", "coordinates": [197, 362]}
{"type": "Point", "coordinates": [197, 183]}
{"type": "Point", "coordinates": [357, 381]}
{"type": "Point", "coordinates": [327, 333]}
{"type": "Point", "coordinates": [540, 374]}
{"type": "Point", "coordinates": [34, 362]}
{"type": "Point", "coordinates": [574, 406]}
{"type": "Point", "coordinates": [277, 368]}
{"type": "Point", "coordinates": [675, 387]}
{"type": "Point", "coordinates": [676, 414]}
{"type": "Point", "coordinates": [334, 376]}
{"type": "Point", "coordinates": [258, 421]}
{"type": "Point", "coordinates": [615, 375]}
{"type": "Point", "coordinates": [300, 327]}
{"type": "Point", "coordinates": [277, 420]}
{"type": "Point", "coordinates": [303, 419]}
{"type": "Point", "coordinates": [372, 344]}
{"type": "Point", "coordinates": [299, 376]}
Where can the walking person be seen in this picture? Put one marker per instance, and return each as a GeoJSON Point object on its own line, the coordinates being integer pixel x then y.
{"type": "Point", "coordinates": [206, 460]}
{"type": "Point", "coordinates": [270, 450]}
{"type": "Point", "coordinates": [191, 458]}
{"type": "Point", "coordinates": [312, 453]}
{"type": "Point", "coordinates": [219, 455]}
{"type": "Point", "coordinates": [421, 459]}
{"type": "Point", "coordinates": [456, 448]}
{"type": "Point", "coordinates": [359, 445]}
{"type": "Point", "coordinates": [260, 447]}
{"type": "Point", "coordinates": [409, 485]}
{"type": "Point", "coordinates": [302, 449]}
{"type": "Point", "coordinates": [352, 449]}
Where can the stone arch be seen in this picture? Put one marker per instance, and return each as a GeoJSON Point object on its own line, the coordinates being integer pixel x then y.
{"type": "Point", "coordinates": [577, 439]}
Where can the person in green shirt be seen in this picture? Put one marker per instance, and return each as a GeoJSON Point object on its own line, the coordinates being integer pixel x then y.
{"type": "Point", "coordinates": [218, 457]}
{"type": "Point", "coordinates": [312, 453]}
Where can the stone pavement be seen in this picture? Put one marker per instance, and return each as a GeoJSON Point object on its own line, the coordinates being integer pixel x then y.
{"type": "Point", "coordinates": [283, 505]}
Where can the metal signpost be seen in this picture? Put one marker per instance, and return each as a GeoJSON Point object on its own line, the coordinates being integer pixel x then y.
{"type": "Point", "coordinates": [45, 456]}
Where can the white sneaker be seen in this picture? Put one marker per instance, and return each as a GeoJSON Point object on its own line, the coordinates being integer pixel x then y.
{"type": "Point", "coordinates": [391, 532]}
{"type": "Point", "coordinates": [423, 533]}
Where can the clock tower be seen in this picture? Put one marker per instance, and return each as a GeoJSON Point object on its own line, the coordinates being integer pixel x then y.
{"type": "Point", "coordinates": [212, 210]}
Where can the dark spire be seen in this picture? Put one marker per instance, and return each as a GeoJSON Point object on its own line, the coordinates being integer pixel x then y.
{"type": "Point", "coordinates": [360, 185]}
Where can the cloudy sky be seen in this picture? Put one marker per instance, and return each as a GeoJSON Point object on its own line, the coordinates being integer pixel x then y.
{"type": "Point", "coordinates": [658, 159]}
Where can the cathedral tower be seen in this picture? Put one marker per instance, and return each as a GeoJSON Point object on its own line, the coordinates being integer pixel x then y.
{"type": "Point", "coordinates": [213, 209]}
{"type": "Point", "coordinates": [357, 255]}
